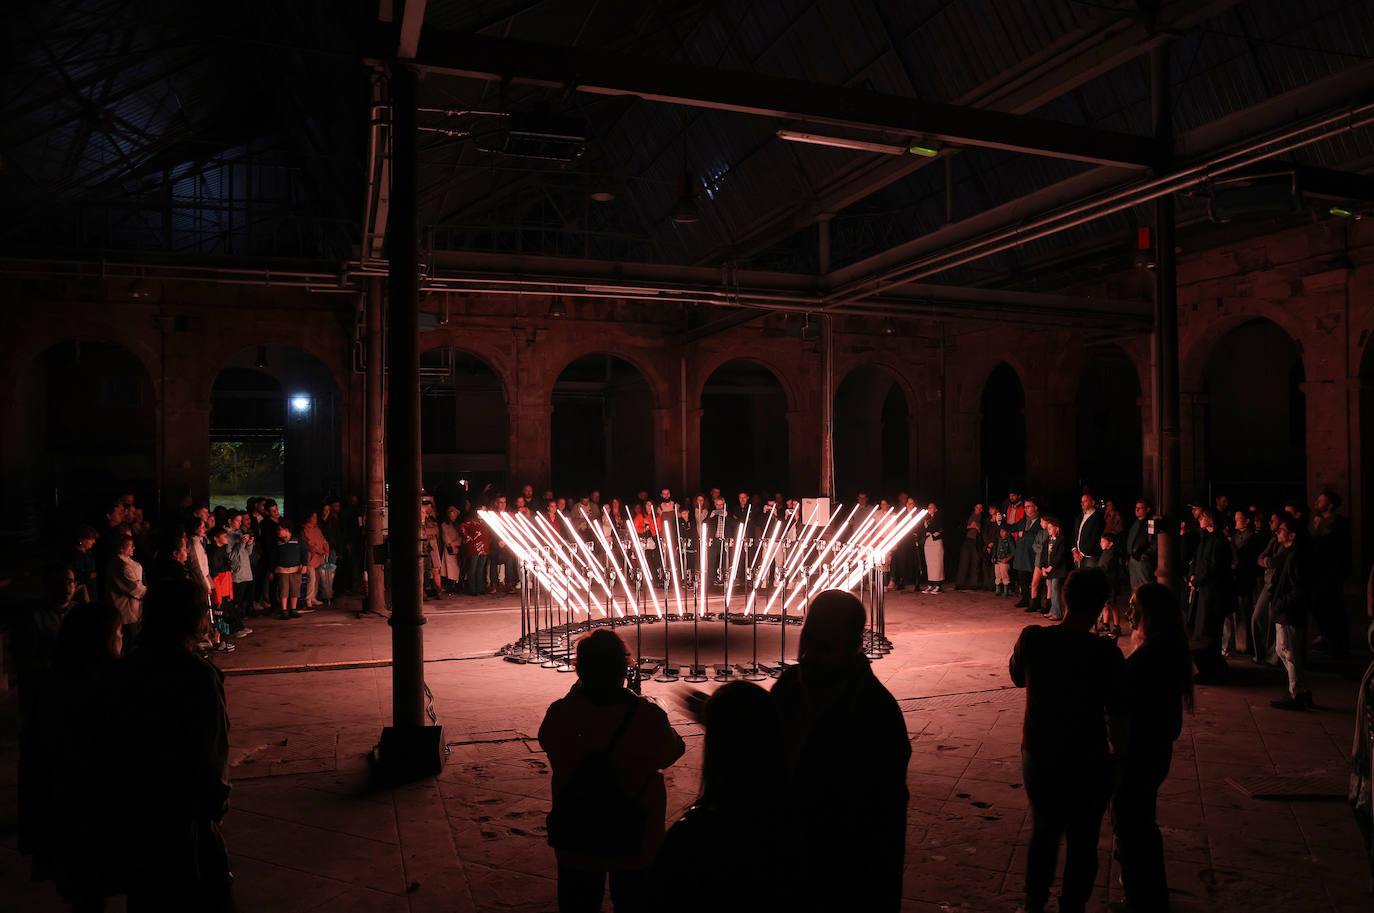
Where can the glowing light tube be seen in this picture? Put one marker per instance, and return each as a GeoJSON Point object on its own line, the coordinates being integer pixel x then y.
{"type": "Point", "coordinates": [734, 564]}
{"type": "Point", "coordinates": [643, 565]}
{"type": "Point", "coordinates": [701, 574]}
{"type": "Point", "coordinates": [592, 570]}
{"type": "Point", "coordinates": [666, 542]}
{"type": "Point", "coordinates": [767, 562]}
{"type": "Point", "coordinates": [525, 550]}
{"type": "Point", "coordinates": [618, 569]}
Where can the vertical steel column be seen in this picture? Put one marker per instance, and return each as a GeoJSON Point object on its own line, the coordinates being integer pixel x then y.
{"type": "Point", "coordinates": [409, 748]}
{"type": "Point", "coordinates": [375, 450]}
{"type": "Point", "coordinates": [1165, 338]}
{"type": "Point", "coordinates": [827, 486]}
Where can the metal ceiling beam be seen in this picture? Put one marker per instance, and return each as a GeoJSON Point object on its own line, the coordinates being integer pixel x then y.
{"type": "Point", "coordinates": [1327, 96]}
{"type": "Point", "coordinates": [757, 292]}
{"type": "Point", "coordinates": [593, 72]}
{"type": "Point", "coordinates": [412, 18]}
{"type": "Point", "coordinates": [1069, 63]}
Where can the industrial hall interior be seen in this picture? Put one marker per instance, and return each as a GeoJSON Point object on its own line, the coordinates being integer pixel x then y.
{"type": "Point", "coordinates": [509, 455]}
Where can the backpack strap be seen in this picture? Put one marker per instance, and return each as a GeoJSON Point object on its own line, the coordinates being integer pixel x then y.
{"type": "Point", "coordinates": [624, 725]}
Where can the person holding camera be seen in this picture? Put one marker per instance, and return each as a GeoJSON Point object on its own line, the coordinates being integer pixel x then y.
{"type": "Point", "coordinates": [607, 747]}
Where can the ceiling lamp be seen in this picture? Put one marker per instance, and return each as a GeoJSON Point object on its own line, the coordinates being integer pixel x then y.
{"type": "Point", "coordinates": [684, 211]}
{"type": "Point", "coordinates": [138, 289]}
{"type": "Point", "coordinates": [840, 142]}
{"type": "Point", "coordinates": [602, 196]}
{"type": "Point", "coordinates": [558, 308]}
{"type": "Point", "coordinates": [889, 327]}
{"type": "Point", "coordinates": [927, 150]}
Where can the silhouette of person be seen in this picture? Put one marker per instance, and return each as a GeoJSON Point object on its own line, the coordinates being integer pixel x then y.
{"type": "Point", "coordinates": [176, 738]}
{"type": "Point", "coordinates": [845, 753]}
{"type": "Point", "coordinates": [1158, 685]}
{"type": "Point", "coordinates": [71, 738]}
{"type": "Point", "coordinates": [606, 746]}
{"type": "Point", "coordinates": [1073, 681]}
{"type": "Point", "coordinates": [739, 790]}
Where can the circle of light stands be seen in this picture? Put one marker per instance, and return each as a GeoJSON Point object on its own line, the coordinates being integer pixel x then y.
{"type": "Point", "coordinates": [569, 586]}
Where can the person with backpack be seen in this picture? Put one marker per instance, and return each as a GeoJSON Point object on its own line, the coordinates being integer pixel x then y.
{"type": "Point", "coordinates": [607, 747]}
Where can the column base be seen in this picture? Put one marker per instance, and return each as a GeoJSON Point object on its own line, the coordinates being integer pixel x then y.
{"type": "Point", "coordinates": [408, 753]}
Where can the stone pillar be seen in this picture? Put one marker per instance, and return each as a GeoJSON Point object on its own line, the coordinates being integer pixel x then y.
{"type": "Point", "coordinates": [530, 443]}
{"type": "Point", "coordinates": [665, 472]}
{"type": "Point", "coordinates": [1328, 437]}
{"type": "Point", "coordinates": [803, 456]}
{"type": "Point", "coordinates": [1192, 464]}
{"type": "Point", "coordinates": [692, 469]}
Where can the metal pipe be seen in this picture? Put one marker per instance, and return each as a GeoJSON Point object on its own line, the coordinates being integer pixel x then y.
{"type": "Point", "coordinates": [827, 485]}
{"type": "Point", "coordinates": [403, 410]}
{"type": "Point", "coordinates": [1165, 337]}
{"type": "Point", "coordinates": [1116, 201]}
{"type": "Point", "coordinates": [375, 452]}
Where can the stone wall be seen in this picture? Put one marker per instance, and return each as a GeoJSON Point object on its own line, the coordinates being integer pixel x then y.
{"type": "Point", "coordinates": [1315, 283]}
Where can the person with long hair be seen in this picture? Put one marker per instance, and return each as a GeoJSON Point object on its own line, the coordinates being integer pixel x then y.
{"type": "Point", "coordinates": [845, 755]}
{"type": "Point", "coordinates": [75, 725]}
{"type": "Point", "coordinates": [743, 737]}
{"type": "Point", "coordinates": [175, 736]}
{"type": "Point", "coordinates": [1158, 688]}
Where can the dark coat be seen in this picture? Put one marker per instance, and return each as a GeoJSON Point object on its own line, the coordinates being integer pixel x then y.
{"type": "Point", "coordinates": [1288, 600]}
{"type": "Point", "coordinates": [175, 733]}
{"type": "Point", "coordinates": [580, 723]}
{"type": "Point", "coordinates": [1088, 534]}
{"type": "Point", "coordinates": [1057, 560]}
{"type": "Point", "coordinates": [1141, 546]}
{"type": "Point", "coordinates": [846, 751]}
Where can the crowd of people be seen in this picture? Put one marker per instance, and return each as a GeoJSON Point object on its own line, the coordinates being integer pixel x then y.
{"type": "Point", "coordinates": [1252, 580]}
{"type": "Point", "coordinates": [242, 562]}
{"type": "Point", "coordinates": [115, 652]}
{"type": "Point", "coordinates": [1098, 731]}
{"type": "Point", "coordinates": [464, 556]}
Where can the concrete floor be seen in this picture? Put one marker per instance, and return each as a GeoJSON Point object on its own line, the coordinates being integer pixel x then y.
{"type": "Point", "coordinates": [306, 832]}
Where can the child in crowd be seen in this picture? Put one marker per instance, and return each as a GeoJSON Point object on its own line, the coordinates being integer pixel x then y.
{"type": "Point", "coordinates": [1113, 564]}
{"type": "Point", "coordinates": [221, 588]}
{"type": "Point", "coordinates": [1002, 548]}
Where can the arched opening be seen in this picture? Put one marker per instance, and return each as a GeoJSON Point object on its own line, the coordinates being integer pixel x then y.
{"type": "Point", "coordinates": [872, 435]}
{"type": "Point", "coordinates": [1366, 468]}
{"type": "Point", "coordinates": [744, 429]}
{"type": "Point", "coordinates": [274, 429]}
{"type": "Point", "coordinates": [1255, 418]}
{"type": "Point", "coordinates": [464, 430]}
{"type": "Point", "coordinates": [1109, 426]}
{"type": "Point", "coordinates": [602, 433]}
{"type": "Point", "coordinates": [1003, 432]}
{"type": "Point", "coordinates": [86, 432]}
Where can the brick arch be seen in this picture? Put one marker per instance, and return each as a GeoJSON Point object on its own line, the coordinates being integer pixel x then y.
{"type": "Point", "coordinates": [898, 377]}
{"type": "Point", "coordinates": [493, 362]}
{"type": "Point", "coordinates": [1195, 357]}
{"type": "Point", "coordinates": [35, 337]}
{"type": "Point", "coordinates": [788, 386]}
{"type": "Point", "coordinates": [225, 348]}
{"type": "Point", "coordinates": [1066, 374]}
{"type": "Point", "coordinates": [971, 395]}
{"type": "Point", "coordinates": [660, 390]}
